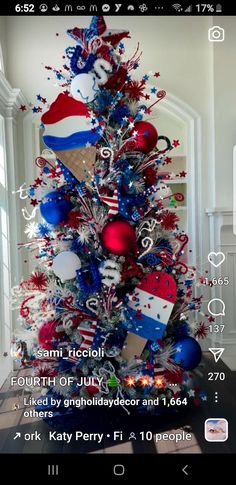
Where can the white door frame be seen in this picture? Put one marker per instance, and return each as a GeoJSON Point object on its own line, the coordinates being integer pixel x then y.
{"type": "Point", "coordinates": [10, 100]}
{"type": "Point", "coordinates": [176, 108]}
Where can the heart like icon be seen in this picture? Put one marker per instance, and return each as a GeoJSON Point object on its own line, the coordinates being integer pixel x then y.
{"type": "Point", "coordinates": [216, 259]}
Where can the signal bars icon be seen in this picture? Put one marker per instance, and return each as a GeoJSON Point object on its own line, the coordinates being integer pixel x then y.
{"type": "Point", "coordinates": [189, 9]}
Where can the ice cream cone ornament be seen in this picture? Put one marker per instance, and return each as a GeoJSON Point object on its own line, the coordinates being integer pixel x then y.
{"type": "Point", "coordinates": [80, 161]}
{"type": "Point", "coordinates": [69, 124]}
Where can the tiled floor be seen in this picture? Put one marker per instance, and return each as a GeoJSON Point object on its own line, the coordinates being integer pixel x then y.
{"type": "Point", "coordinates": [12, 420]}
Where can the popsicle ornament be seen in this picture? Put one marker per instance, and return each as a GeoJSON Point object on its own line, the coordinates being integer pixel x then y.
{"type": "Point", "coordinates": [150, 306]}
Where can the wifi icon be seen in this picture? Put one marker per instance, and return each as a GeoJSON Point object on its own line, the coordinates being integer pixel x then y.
{"type": "Point", "coordinates": [177, 7]}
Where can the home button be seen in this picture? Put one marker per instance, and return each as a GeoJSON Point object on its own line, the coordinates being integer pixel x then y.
{"type": "Point", "coordinates": [119, 470]}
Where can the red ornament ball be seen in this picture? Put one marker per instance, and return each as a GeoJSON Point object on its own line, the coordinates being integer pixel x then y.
{"type": "Point", "coordinates": [119, 237]}
{"type": "Point", "coordinates": [48, 333]}
{"type": "Point", "coordinates": [146, 137]}
{"type": "Point", "coordinates": [92, 390]}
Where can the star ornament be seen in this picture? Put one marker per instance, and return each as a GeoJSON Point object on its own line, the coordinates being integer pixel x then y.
{"type": "Point", "coordinates": [97, 29]}
{"type": "Point", "coordinates": [175, 143]}
{"type": "Point", "coordinates": [191, 393]}
{"type": "Point", "coordinates": [203, 396]}
{"type": "Point", "coordinates": [34, 202]}
{"type": "Point", "coordinates": [131, 125]}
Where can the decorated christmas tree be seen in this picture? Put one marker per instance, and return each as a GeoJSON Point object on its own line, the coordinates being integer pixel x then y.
{"type": "Point", "coordinates": [111, 292]}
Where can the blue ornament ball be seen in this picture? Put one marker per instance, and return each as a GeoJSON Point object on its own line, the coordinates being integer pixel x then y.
{"type": "Point", "coordinates": [187, 353]}
{"type": "Point", "coordinates": [55, 208]}
{"type": "Point", "coordinates": [181, 330]}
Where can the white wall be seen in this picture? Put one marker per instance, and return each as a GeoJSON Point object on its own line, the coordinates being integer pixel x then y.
{"type": "Point", "coordinates": [177, 47]}
{"type": "Point", "coordinates": [3, 44]}
{"type": "Point", "coordinates": [225, 111]}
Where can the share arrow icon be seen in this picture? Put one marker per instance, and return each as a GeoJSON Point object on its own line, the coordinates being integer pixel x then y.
{"type": "Point", "coordinates": [217, 353]}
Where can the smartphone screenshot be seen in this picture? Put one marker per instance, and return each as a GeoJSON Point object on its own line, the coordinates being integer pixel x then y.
{"type": "Point", "coordinates": [118, 239]}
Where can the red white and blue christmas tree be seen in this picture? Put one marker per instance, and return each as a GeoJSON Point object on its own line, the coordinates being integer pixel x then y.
{"type": "Point", "coordinates": [111, 262]}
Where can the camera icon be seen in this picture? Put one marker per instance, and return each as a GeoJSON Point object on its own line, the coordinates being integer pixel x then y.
{"type": "Point", "coordinates": [216, 34]}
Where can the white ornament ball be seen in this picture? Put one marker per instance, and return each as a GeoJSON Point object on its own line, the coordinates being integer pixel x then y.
{"type": "Point", "coordinates": [162, 191]}
{"type": "Point", "coordinates": [84, 87]}
{"type": "Point", "coordinates": [65, 265]}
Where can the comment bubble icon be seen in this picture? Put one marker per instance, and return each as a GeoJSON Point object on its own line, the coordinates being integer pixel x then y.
{"type": "Point", "coordinates": [216, 307]}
